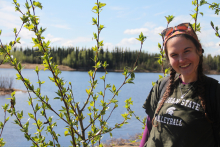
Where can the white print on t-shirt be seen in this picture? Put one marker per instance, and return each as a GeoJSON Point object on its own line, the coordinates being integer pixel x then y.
{"type": "Point", "coordinates": [186, 103]}
{"type": "Point", "coordinates": [168, 120]}
{"type": "Point", "coordinates": [170, 110]}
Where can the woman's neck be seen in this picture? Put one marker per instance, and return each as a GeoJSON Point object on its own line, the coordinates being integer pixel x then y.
{"type": "Point", "coordinates": [187, 80]}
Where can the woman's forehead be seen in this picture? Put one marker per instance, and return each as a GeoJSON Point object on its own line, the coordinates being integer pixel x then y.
{"type": "Point", "coordinates": [179, 42]}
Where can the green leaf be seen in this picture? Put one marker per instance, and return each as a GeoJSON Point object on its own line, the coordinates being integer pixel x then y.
{"type": "Point", "coordinates": [169, 18]}
{"type": "Point", "coordinates": [94, 20]}
{"type": "Point", "coordinates": [153, 83]}
{"type": "Point", "coordinates": [113, 88]}
{"type": "Point", "coordinates": [110, 134]}
{"type": "Point", "coordinates": [95, 35]}
{"type": "Point", "coordinates": [108, 86]}
{"type": "Point", "coordinates": [2, 143]}
{"type": "Point", "coordinates": [0, 32]}
{"type": "Point", "coordinates": [202, 2]}
{"type": "Point", "coordinates": [18, 40]}
{"type": "Point", "coordinates": [94, 8]}
{"type": "Point", "coordinates": [37, 4]}
{"type": "Point", "coordinates": [212, 24]}
{"type": "Point", "coordinates": [141, 38]}
{"type": "Point", "coordinates": [37, 107]}
{"type": "Point", "coordinates": [159, 45]}
{"type": "Point", "coordinates": [31, 115]}
{"type": "Point", "coordinates": [101, 4]}
{"type": "Point", "coordinates": [1, 125]}
{"type": "Point", "coordinates": [193, 16]}
{"type": "Point", "coordinates": [66, 133]}
{"type": "Point", "coordinates": [113, 100]}
{"type": "Point", "coordinates": [15, 30]}
{"type": "Point", "coordinates": [27, 136]}
{"type": "Point", "coordinates": [24, 19]}
{"type": "Point", "coordinates": [194, 2]}
{"type": "Point", "coordinates": [36, 69]}
{"type": "Point", "coordinates": [201, 13]}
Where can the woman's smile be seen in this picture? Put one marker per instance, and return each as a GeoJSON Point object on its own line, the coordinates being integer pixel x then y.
{"type": "Point", "coordinates": [183, 66]}
{"type": "Point", "coordinates": [183, 57]}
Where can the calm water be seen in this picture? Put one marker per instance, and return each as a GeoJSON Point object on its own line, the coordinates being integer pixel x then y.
{"type": "Point", "coordinates": [80, 81]}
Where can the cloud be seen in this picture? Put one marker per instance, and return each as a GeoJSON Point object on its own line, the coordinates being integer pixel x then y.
{"type": "Point", "coordinates": [26, 34]}
{"type": "Point", "coordinates": [149, 24]}
{"type": "Point", "coordinates": [9, 18]}
{"type": "Point", "coordinates": [136, 31]}
{"type": "Point", "coordinates": [117, 8]}
{"type": "Point", "coordinates": [52, 38]}
{"type": "Point", "coordinates": [68, 43]}
{"type": "Point", "coordinates": [77, 40]}
{"type": "Point", "coordinates": [158, 30]}
{"type": "Point", "coordinates": [82, 39]}
{"type": "Point", "coordinates": [214, 15]}
{"type": "Point", "coordinates": [109, 46]}
{"type": "Point", "coordinates": [159, 13]}
{"type": "Point", "coordinates": [62, 26]}
{"type": "Point", "coordinates": [180, 19]}
{"type": "Point", "coordinates": [127, 41]}
{"type": "Point", "coordinates": [209, 44]}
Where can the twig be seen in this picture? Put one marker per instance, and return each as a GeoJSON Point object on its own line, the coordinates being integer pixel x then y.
{"type": "Point", "coordinates": [197, 10]}
{"type": "Point", "coordinates": [3, 124]}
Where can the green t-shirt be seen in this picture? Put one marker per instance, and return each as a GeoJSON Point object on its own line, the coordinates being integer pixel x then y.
{"type": "Point", "coordinates": [181, 121]}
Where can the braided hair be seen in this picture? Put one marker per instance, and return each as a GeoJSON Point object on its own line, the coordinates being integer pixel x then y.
{"type": "Point", "coordinates": [171, 86]}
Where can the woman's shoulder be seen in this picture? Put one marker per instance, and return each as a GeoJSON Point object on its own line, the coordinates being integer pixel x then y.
{"type": "Point", "coordinates": [163, 80]}
{"type": "Point", "coordinates": [212, 85]}
{"type": "Point", "coordinates": [209, 81]}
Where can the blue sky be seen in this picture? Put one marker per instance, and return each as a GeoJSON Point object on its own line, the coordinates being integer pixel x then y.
{"type": "Point", "coordinates": [69, 23]}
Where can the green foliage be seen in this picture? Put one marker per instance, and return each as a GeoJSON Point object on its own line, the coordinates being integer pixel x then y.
{"type": "Point", "coordinates": [169, 18]}
{"type": "Point", "coordinates": [82, 134]}
{"type": "Point", "coordinates": [214, 6]}
{"type": "Point", "coordinates": [216, 29]}
{"type": "Point", "coordinates": [141, 38]}
{"type": "Point", "coordinates": [2, 143]}
{"type": "Point", "coordinates": [70, 112]}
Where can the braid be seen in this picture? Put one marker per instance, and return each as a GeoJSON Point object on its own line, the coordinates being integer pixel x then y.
{"type": "Point", "coordinates": [201, 87]}
{"type": "Point", "coordinates": [168, 92]}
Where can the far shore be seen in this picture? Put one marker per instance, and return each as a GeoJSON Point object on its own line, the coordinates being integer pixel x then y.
{"type": "Point", "coordinates": [67, 68]}
{"type": "Point", "coordinates": [8, 91]}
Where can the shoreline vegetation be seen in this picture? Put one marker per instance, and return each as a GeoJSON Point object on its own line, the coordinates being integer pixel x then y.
{"type": "Point", "coordinates": [114, 142]}
{"type": "Point", "coordinates": [5, 91]}
{"type": "Point", "coordinates": [67, 68]}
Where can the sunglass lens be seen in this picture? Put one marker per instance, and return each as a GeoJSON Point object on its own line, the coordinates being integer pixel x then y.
{"type": "Point", "coordinates": [182, 27]}
{"type": "Point", "coordinates": [168, 31]}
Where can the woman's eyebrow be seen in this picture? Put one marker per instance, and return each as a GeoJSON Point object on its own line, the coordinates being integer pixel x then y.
{"type": "Point", "coordinates": [187, 47]}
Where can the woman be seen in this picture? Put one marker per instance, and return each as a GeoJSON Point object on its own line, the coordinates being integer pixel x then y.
{"type": "Point", "coordinates": [179, 116]}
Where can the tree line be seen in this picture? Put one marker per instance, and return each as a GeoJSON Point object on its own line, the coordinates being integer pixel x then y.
{"type": "Point", "coordinates": [118, 58]}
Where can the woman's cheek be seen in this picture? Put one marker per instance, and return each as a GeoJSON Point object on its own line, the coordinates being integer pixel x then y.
{"type": "Point", "coordinates": [172, 62]}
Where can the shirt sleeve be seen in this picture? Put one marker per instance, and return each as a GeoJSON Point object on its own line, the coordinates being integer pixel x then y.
{"type": "Point", "coordinates": [151, 102]}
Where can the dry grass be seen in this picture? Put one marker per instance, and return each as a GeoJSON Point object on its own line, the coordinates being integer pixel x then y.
{"type": "Point", "coordinates": [120, 141]}
{"type": "Point", "coordinates": [6, 82]}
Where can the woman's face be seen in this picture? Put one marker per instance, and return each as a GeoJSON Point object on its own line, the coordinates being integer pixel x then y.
{"type": "Point", "coordinates": [183, 57]}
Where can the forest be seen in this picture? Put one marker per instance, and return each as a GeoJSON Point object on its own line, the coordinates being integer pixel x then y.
{"type": "Point", "coordinates": [118, 58]}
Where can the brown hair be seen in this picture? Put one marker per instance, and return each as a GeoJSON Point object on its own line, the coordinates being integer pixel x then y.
{"type": "Point", "coordinates": [171, 86]}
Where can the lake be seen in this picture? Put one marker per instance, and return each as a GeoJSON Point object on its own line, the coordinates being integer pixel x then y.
{"type": "Point", "coordinates": [80, 81]}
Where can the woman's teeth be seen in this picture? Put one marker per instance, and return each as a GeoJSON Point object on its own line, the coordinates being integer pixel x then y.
{"type": "Point", "coordinates": [185, 65]}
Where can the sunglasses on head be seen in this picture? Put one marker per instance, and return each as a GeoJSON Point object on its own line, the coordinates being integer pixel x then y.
{"type": "Point", "coordinates": [181, 27]}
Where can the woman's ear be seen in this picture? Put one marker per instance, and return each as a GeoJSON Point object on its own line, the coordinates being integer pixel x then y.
{"type": "Point", "coordinates": [200, 51]}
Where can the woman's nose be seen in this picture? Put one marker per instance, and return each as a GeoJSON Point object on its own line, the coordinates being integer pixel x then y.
{"type": "Point", "coordinates": [181, 58]}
